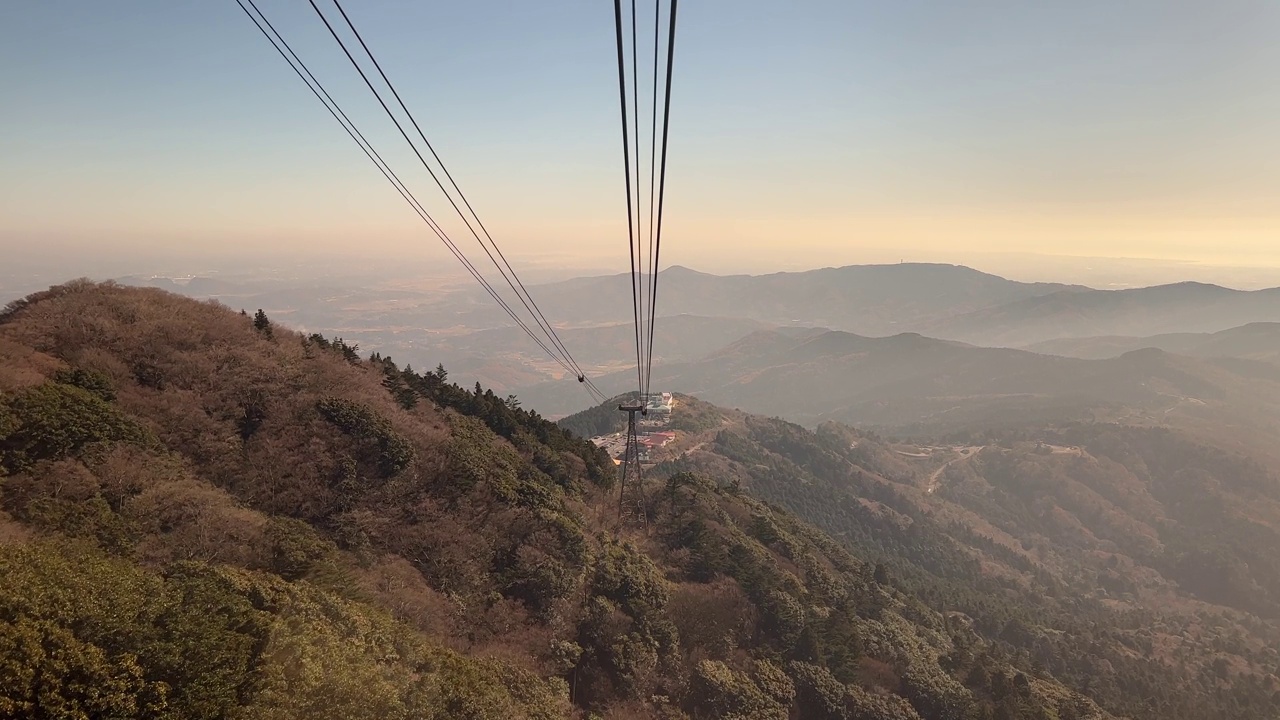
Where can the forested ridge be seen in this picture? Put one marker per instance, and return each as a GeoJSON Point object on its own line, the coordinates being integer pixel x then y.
{"type": "Point", "coordinates": [207, 515]}
{"type": "Point", "coordinates": [1133, 563]}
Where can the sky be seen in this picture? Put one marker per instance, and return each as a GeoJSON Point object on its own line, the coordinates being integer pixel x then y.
{"type": "Point", "coordinates": [803, 134]}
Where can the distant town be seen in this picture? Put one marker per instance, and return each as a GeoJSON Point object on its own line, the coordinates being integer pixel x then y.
{"type": "Point", "coordinates": [651, 430]}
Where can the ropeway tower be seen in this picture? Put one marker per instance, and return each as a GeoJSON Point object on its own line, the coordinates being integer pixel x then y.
{"type": "Point", "coordinates": [631, 505]}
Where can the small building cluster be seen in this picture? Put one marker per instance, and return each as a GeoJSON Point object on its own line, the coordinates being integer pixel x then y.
{"type": "Point", "coordinates": [651, 430]}
{"type": "Point", "coordinates": [660, 404]}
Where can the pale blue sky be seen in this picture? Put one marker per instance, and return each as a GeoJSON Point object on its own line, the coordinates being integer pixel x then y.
{"type": "Point", "coordinates": [833, 130]}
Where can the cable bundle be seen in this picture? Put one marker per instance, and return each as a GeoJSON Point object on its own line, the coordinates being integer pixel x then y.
{"type": "Point", "coordinates": [644, 265]}
{"type": "Point", "coordinates": [545, 336]}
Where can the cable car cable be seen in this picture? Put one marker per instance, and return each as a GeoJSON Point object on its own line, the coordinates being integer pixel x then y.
{"type": "Point", "coordinates": [626, 160]}
{"type": "Point", "coordinates": [662, 178]}
{"type": "Point", "coordinates": [413, 146]}
{"type": "Point", "coordinates": [354, 132]}
{"type": "Point", "coordinates": [517, 286]}
{"type": "Point", "coordinates": [653, 148]}
{"type": "Point", "coordinates": [639, 173]}
{"type": "Point", "coordinates": [370, 152]}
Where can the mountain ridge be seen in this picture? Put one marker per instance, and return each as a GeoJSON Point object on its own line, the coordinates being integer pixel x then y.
{"type": "Point", "coordinates": [443, 321]}
{"type": "Point", "coordinates": [843, 297]}
{"type": "Point", "coordinates": [909, 380]}
{"type": "Point", "coordinates": [1178, 307]}
{"type": "Point", "coordinates": [1258, 340]}
{"type": "Point", "coordinates": [1088, 518]}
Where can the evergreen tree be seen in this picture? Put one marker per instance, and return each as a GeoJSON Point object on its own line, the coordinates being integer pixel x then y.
{"type": "Point", "coordinates": [881, 575]}
{"type": "Point", "coordinates": [261, 323]}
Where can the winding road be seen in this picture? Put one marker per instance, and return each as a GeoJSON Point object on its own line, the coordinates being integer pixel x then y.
{"type": "Point", "coordinates": [935, 479]}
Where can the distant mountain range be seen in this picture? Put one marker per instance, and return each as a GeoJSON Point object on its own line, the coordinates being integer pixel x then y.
{"type": "Point", "coordinates": [866, 299]}
{"type": "Point", "coordinates": [1182, 307]}
{"type": "Point", "coordinates": [762, 342]}
{"type": "Point", "coordinates": [680, 338]}
{"type": "Point", "coordinates": [913, 383]}
{"type": "Point", "coordinates": [945, 301]}
{"type": "Point", "coordinates": [1260, 341]}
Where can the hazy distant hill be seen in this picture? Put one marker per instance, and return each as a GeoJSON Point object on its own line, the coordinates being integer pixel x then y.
{"type": "Point", "coordinates": [680, 338]}
{"type": "Point", "coordinates": [867, 299]}
{"type": "Point", "coordinates": [1258, 341]}
{"type": "Point", "coordinates": [700, 313]}
{"type": "Point", "coordinates": [923, 384]}
{"type": "Point", "coordinates": [1178, 308]}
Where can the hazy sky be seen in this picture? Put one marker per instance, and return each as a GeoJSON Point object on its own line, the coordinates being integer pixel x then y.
{"type": "Point", "coordinates": [810, 132]}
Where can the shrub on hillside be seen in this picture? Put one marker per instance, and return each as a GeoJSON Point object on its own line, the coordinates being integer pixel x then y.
{"type": "Point", "coordinates": [54, 421]}
{"type": "Point", "coordinates": [388, 451]}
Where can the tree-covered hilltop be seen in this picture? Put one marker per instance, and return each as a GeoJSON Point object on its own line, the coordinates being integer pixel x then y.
{"type": "Point", "coordinates": [601, 419]}
{"type": "Point", "coordinates": [207, 515]}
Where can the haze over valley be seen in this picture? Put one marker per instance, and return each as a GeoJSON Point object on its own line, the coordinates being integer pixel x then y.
{"type": "Point", "coordinates": [836, 343]}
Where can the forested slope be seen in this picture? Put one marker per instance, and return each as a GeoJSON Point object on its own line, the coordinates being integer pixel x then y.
{"type": "Point", "coordinates": [207, 516]}
{"type": "Point", "coordinates": [1134, 563]}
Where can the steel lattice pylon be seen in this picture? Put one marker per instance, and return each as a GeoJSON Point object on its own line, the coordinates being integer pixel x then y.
{"type": "Point", "coordinates": [631, 494]}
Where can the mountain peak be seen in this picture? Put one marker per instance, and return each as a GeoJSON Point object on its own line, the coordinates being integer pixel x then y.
{"type": "Point", "coordinates": [682, 271]}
